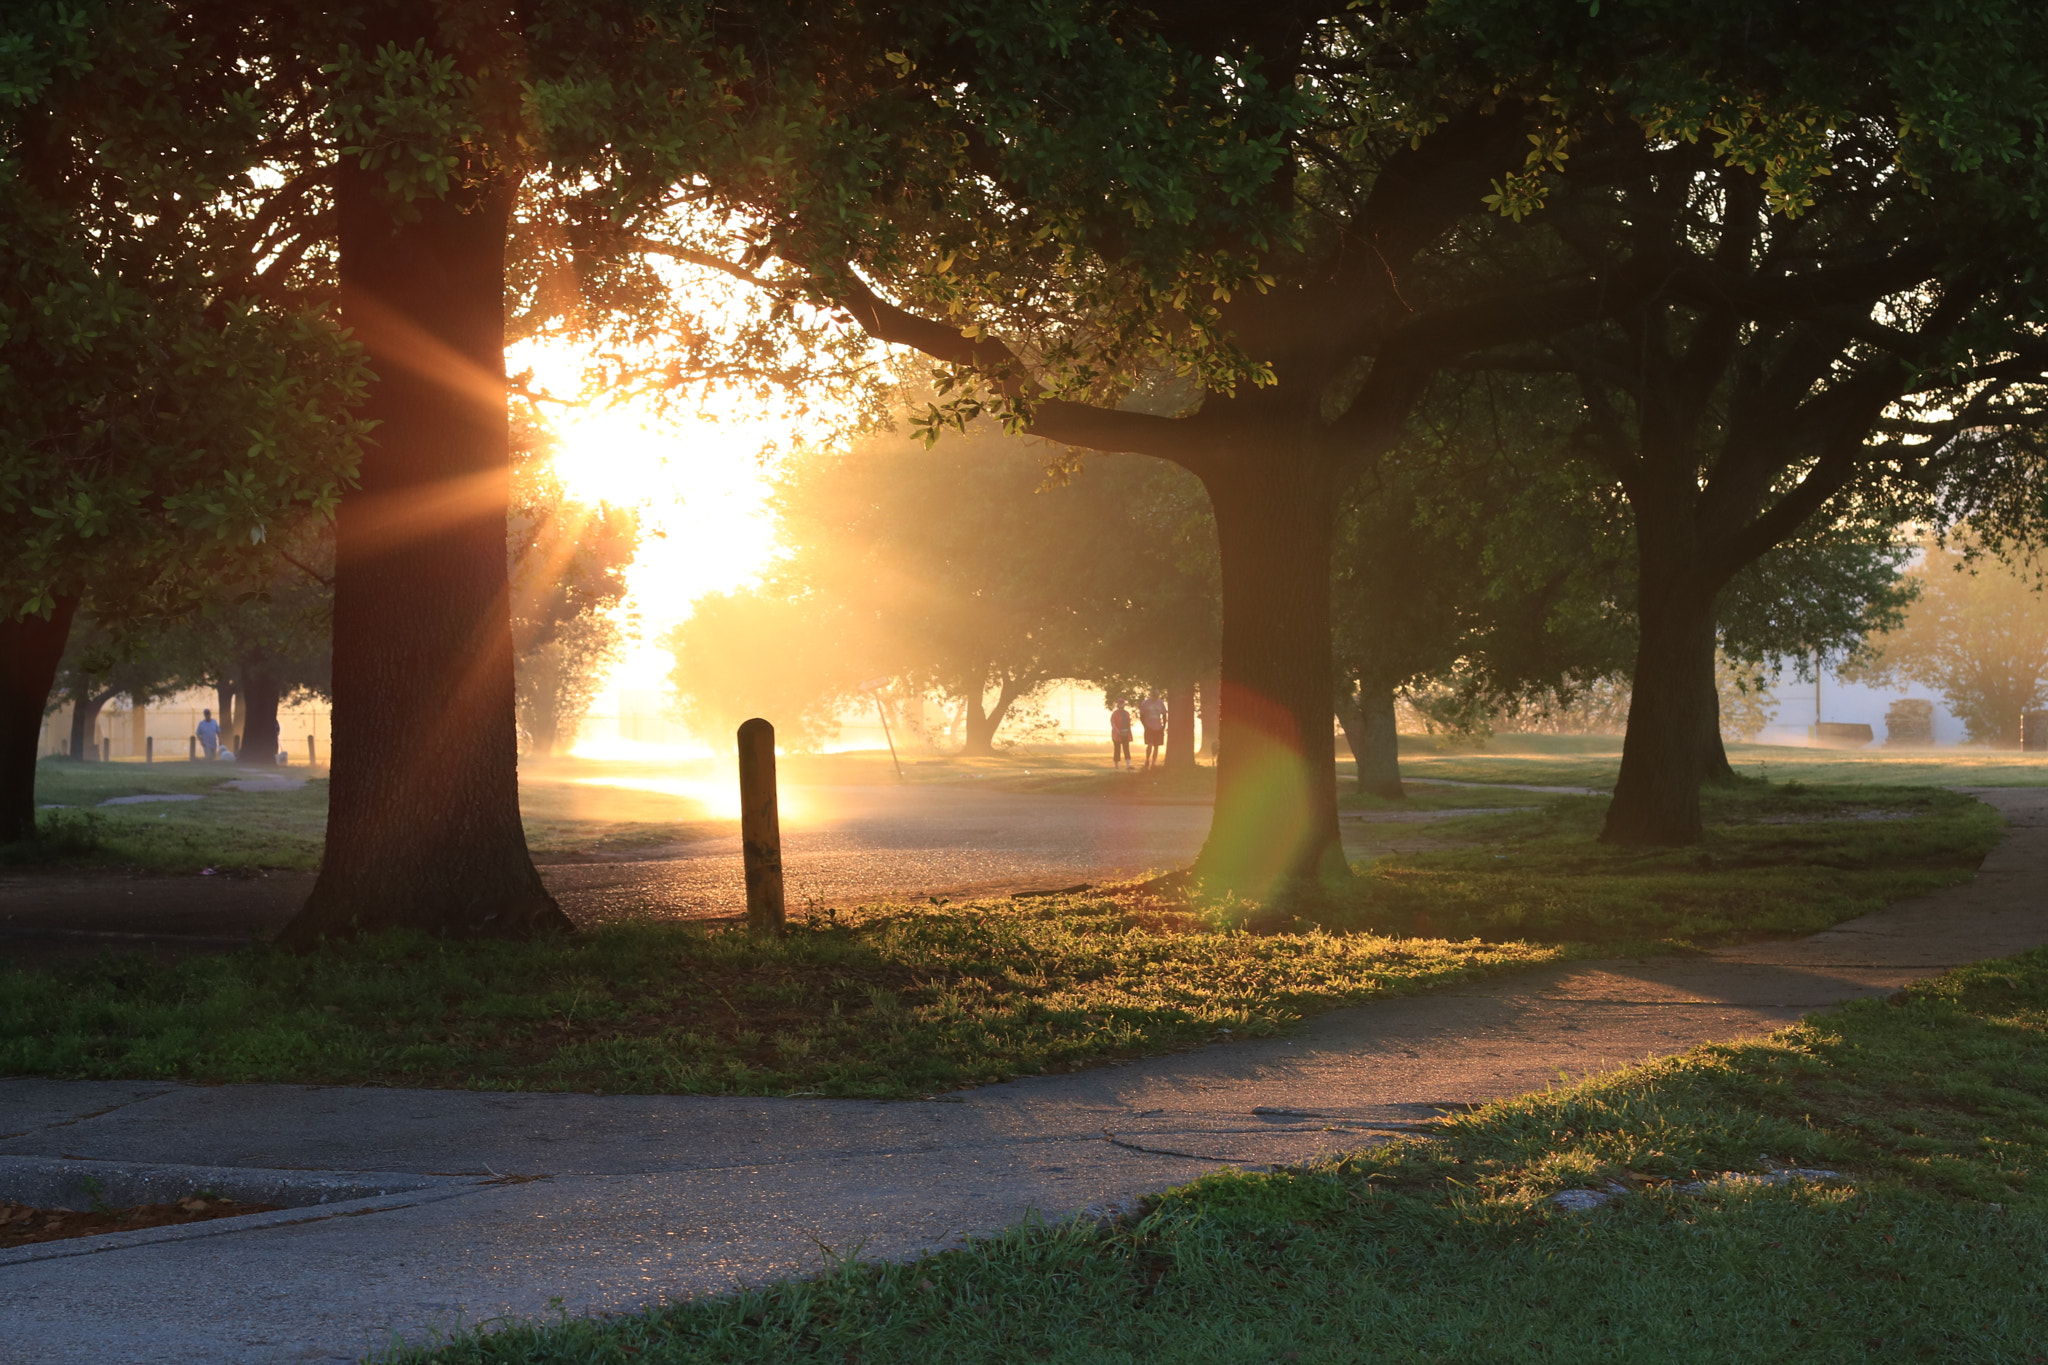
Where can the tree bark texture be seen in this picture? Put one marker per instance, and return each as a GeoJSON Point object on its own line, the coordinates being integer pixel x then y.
{"type": "Point", "coordinates": [423, 826]}
{"type": "Point", "coordinates": [1369, 730]}
{"type": "Point", "coordinates": [1714, 764]}
{"type": "Point", "coordinates": [1664, 755]}
{"type": "Point", "coordinates": [1180, 724]}
{"type": "Point", "coordinates": [1275, 828]}
{"type": "Point", "coordinates": [30, 649]}
{"type": "Point", "coordinates": [259, 718]}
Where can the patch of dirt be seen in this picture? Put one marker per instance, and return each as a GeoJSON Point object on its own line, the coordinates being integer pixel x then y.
{"type": "Point", "coordinates": [22, 1224]}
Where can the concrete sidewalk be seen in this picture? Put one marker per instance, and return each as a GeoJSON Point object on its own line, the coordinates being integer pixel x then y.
{"type": "Point", "coordinates": [646, 1198]}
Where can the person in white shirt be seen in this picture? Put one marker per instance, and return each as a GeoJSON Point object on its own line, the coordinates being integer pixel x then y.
{"type": "Point", "coordinates": [209, 735]}
{"type": "Point", "coordinates": [1152, 714]}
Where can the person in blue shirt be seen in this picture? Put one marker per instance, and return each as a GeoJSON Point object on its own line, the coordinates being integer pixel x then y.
{"type": "Point", "coordinates": [209, 734]}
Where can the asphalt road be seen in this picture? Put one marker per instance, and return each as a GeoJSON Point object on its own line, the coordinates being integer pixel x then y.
{"type": "Point", "coordinates": [841, 845]}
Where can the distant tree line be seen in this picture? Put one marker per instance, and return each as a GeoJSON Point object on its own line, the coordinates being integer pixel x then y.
{"type": "Point", "coordinates": [1474, 578]}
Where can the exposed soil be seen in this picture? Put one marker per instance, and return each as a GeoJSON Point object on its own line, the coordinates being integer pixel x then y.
{"type": "Point", "coordinates": [21, 1224]}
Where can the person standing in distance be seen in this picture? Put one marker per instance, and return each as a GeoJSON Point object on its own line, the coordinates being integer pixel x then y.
{"type": "Point", "coordinates": [1119, 737]}
{"type": "Point", "coordinates": [209, 734]}
{"type": "Point", "coordinates": [1152, 712]}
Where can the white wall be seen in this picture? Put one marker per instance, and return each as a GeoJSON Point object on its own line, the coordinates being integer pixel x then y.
{"type": "Point", "coordinates": [1849, 704]}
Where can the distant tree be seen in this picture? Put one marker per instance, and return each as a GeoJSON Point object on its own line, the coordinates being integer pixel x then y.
{"type": "Point", "coordinates": [959, 571]}
{"type": "Point", "coordinates": [759, 652]}
{"type": "Point", "coordinates": [1156, 560]}
{"type": "Point", "coordinates": [1473, 574]}
{"type": "Point", "coordinates": [1977, 633]}
{"type": "Point", "coordinates": [158, 429]}
{"type": "Point", "coordinates": [272, 644]}
{"type": "Point", "coordinates": [1484, 576]}
{"type": "Point", "coordinates": [100, 665]}
{"type": "Point", "coordinates": [1770, 358]}
{"type": "Point", "coordinates": [568, 562]}
{"type": "Point", "coordinates": [260, 640]}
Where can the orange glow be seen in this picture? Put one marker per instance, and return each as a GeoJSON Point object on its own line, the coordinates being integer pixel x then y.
{"type": "Point", "coordinates": [718, 798]}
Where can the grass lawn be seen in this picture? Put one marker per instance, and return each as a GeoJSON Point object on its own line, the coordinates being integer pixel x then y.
{"type": "Point", "coordinates": [905, 1000]}
{"type": "Point", "coordinates": [1932, 1246]}
{"type": "Point", "coordinates": [1779, 858]}
{"type": "Point", "coordinates": [1593, 761]}
{"type": "Point", "coordinates": [885, 1001]}
{"type": "Point", "coordinates": [572, 812]}
{"type": "Point", "coordinates": [223, 829]}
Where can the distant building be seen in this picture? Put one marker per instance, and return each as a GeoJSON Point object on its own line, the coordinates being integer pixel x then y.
{"type": "Point", "coordinates": [1927, 724]}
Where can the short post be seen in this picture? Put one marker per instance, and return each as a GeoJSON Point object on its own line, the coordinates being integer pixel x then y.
{"type": "Point", "coordinates": [309, 751]}
{"type": "Point", "coordinates": [191, 748]}
{"type": "Point", "coordinates": [149, 748]}
{"type": "Point", "coordinates": [106, 748]}
{"type": "Point", "coordinates": [760, 826]}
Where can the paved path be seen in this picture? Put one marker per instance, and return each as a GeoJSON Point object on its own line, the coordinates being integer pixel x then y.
{"type": "Point", "coordinates": [853, 843]}
{"type": "Point", "coordinates": [659, 1197]}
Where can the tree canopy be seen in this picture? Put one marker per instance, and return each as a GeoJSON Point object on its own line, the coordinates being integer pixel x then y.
{"type": "Point", "coordinates": [159, 430]}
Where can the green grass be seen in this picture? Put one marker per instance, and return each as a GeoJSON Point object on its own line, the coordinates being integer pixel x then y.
{"type": "Point", "coordinates": [900, 1000]}
{"type": "Point", "coordinates": [1593, 761]}
{"type": "Point", "coordinates": [1448, 1249]}
{"type": "Point", "coordinates": [572, 812]}
{"type": "Point", "coordinates": [1778, 859]}
{"type": "Point", "coordinates": [887, 1001]}
{"type": "Point", "coordinates": [1421, 797]}
{"type": "Point", "coordinates": [227, 830]}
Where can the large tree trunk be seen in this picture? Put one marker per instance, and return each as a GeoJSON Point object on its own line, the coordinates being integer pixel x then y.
{"type": "Point", "coordinates": [259, 718]}
{"type": "Point", "coordinates": [978, 729]}
{"type": "Point", "coordinates": [1664, 756]}
{"type": "Point", "coordinates": [1368, 721]}
{"type": "Point", "coordinates": [1274, 833]}
{"type": "Point", "coordinates": [1714, 764]}
{"type": "Point", "coordinates": [423, 827]}
{"type": "Point", "coordinates": [1180, 724]}
{"type": "Point", "coordinates": [85, 724]}
{"type": "Point", "coordinates": [30, 649]}
{"type": "Point", "coordinates": [982, 724]}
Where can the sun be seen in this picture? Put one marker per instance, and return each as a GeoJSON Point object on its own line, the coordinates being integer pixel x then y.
{"type": "Point", "coordinates": [613, 455]}
{"type": "Point", "coordinates": [701, 492]}
{"type": "Point", "coordinates": [701, 486]}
